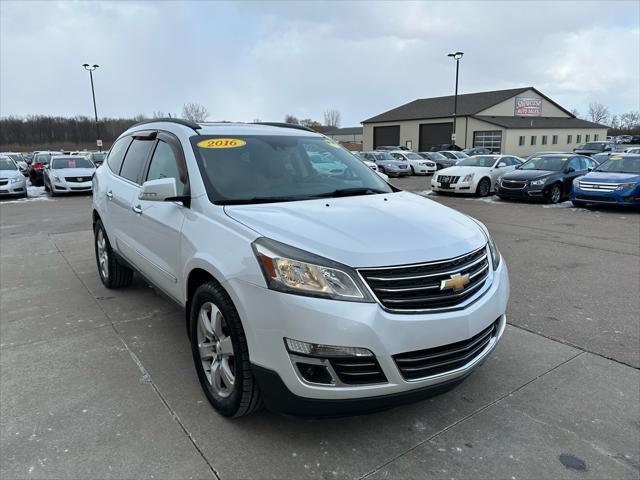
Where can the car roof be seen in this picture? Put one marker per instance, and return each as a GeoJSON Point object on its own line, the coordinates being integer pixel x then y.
{"type": "Point", "coordinates": [226, 128]}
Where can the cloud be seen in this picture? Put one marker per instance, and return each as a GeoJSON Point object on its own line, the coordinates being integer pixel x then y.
{"type": "Point", "coordinates": [249, 60]}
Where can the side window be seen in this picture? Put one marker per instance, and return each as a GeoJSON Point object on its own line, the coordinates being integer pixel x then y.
{"type": "Point", "coordinates": [397, 156]}
{"type": "Point", "coordinates": [116, 154]}
{"type": "Point", "coordinates": [135, 159]}
{"type": "Point", "coordinates": [369, 157]}
{"type": "Point", "coordinates": [164, 165]}
{"type": "Point", "coordinates": [575, 163]}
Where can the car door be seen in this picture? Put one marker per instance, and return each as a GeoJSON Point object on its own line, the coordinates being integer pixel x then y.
{"type": "Point", "coordinates": [121, 191]}
{"type": "Point", "coordinates": [576, 167]}
{"type": "Point", "coordinates": [156, 233]}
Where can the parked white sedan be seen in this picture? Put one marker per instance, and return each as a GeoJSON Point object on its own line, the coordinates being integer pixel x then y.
{"type": "Point", "coordinates": [66, 174]}
{"type": "Point", "coordinates": [477, 175]}
{"type": "Point", "coordinates": [417, 164]}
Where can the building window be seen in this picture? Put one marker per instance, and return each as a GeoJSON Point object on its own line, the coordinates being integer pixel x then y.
{"type": "Point", "coordinates": [409, 144]}
{"type": "Point", "coordinates": [489, 139]}
{"type": "Point", "coordinates": [578, 138]}
{"type": "Point", "coordinates": [533, 139]}
{"type": "Point", "coordinates": [544, 139]}
{"type": "Point", "coordinates": [554, 139]}
{"type": "Point", "coordinates": [596, 137]}
{"type": "Point", "coordinates": [569, 139]}
{"type": "Point", "coordinates": [587, 137]}
{"type": "Point", "coordinates": [521, 141]}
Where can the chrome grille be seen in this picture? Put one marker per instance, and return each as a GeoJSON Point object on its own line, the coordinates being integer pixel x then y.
{"type": "Point", "coordinates": [4, 181]}
{"type": "Point", "coordinates": [438, 360]}
{"type": "Point", "coordinates": [513, 184]}
{"type": "Point", "coordinates": [448, 179]}
{"type": "Point", "coordinates": [78, 179]}
{"type": "Point", "coordinates": [598, 186]}
{"type": "Point", "coordinates": [420, 287]}
{"type": "Point", "coordinates": [358, 370]}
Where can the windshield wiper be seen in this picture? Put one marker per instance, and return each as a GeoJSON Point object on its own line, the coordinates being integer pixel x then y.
{"type": "Point", "coordinates": [255, 200]}
{"type": "Point", "coordinates": [346, 192]}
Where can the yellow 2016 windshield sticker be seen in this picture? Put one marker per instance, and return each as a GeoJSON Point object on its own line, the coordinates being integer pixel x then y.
{"type": "Point", "coordinates": [222, 143]}
{"type": "Point", "coordinates": [615, 158]}
{"type": "Point", "coordinates": [330, 142]}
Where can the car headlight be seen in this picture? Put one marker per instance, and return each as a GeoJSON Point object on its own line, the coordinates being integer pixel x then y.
{"type": "Point", "coordinates": [493, 248]}
{"type": "Point", "coordinates": [468, 178]}
{"type": "Point", "coordinates": [17, 179]}
{"type": "Point", "coordinates": [576, 182]}
{"type": "Point", "coordinates": [291, 270]}
{"type": "Point", "coordinates": [625, 186]}
{"type": "Point", "coordinates": [424, 164]}
{"type": "Point", "coordinates": [542, 181]}
{"type": "Point", "coordinates": [499, 181]}
{"type": "Point", "coordinates": [56, 178]}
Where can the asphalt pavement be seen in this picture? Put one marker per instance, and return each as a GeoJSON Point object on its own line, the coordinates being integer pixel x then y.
{"type": "Point", "coordinates": [98, 383]}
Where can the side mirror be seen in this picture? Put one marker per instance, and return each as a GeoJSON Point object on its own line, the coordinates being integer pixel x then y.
{"type": "Point", "coordinates": [590, 169]}
{"type": "Point", "coordinates": [502, 165]}
{"type": "Point", "coordinates": [158, 190]}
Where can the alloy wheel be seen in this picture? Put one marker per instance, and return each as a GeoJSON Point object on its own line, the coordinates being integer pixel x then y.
{"type": "Point", "coordinates": [216, 349]}
{"type": "Point", "coordinates": [555, 194]}
{"type": "Point", "coordinates": [103, 255]}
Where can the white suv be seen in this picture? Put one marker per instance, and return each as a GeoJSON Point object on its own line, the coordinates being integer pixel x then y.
{"type": "Point", "coordinates": [311, 293]}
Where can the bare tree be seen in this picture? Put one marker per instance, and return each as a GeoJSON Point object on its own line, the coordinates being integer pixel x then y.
{"type": "Point", "coordinates": [630, 120]}
{"type": "Point", "coordinates": [615, 122]}
{"type": "Point", "coordinates": [332, 118]}
{"type": "Point", "coordinates": [158, 115]}
{"type": "Point", "coordinates": [598, 113]}
{"type": "Point", "coordinates": [575, 112]}
{"type": "Point", "coordinates": [256, 120]}
{"type": "Point", "coordinates": [290, 119]}
{"type": "Point", "coordinates": [309, 123]}
{"type": "Point", "coordinates": [194, 112]}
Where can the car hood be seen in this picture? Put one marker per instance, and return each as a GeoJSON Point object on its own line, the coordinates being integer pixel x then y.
{"type": "Point", "coordinates": [461, 170]}
{"type": "Point", "coordinates": [74, 172]}
{"type": "Point", "coordinates": [528, 174]}
{"type": "Point", "coordinates": [611, 177]}
{"type": "Point", "coordinates": [9, 173]}
{"type": "Point", "coordinates": [366, 231]}
{"type": "Point", "coordinates": [394, 163]}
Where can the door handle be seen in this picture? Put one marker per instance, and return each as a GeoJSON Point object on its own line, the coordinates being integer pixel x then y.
{"type": "Point", "coordinates": [137, 209]}
{"type": "Point", "coordinates": [109, 194]}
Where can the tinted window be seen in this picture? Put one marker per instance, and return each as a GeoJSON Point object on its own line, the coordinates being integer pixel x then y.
{"type": "Point", "coordinates": [75, 162]}
{"type": "Point", "coordinates": [164, 165]}
{"type": "Point", "coordinates": [135, 159]}
{"type": "Point", "coordinates": [7, 164]}
{"type": "Point", "coordinates": [116, 154]}
{"type": "Point", "coordinates": [547, 162]}
{"type": "Point", "coordinates": [280, 168]}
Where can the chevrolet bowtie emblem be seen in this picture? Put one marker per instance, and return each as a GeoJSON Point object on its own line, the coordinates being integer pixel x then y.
{"type": "Point", "coordinates": [456, 283]}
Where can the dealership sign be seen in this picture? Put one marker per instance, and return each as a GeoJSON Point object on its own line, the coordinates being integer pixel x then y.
{"type": "Point", "coordinates": [531, 107]}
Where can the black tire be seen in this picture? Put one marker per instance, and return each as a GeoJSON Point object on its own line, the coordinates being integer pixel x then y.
{"type": "Point", "coordinates": [413, 172]}
{"type": "Point", "coordinates": [118, 275]}
{"type": "Point", "coordinates": [579, 204]}
{"type": "Point", "coordinates": [46, 187]}
{"type": "Point", "coordinates": [245, 397]}
{"type": "Point", "coordinates": [484, 187]}
{"type": "Point", "coordinates": [555, 194]}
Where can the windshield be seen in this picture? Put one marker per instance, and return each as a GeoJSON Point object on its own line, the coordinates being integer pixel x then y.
{"type": "Point", "coordinates": [621, 165]}
{"type": "Point", "coordinates": [261, 169]}
{"type": "Point", "coordinates": [548, 162]}
{"type": "Point", "coordinates": [478, 161]}
{"type": "Point", "coordinates": [7, 164]}
{"type": "Point", "coordinates": [413, 156]}
{"type": "Point", "coordinates": [43, 158]}
{"type": "Point", "coordinates": [594, 146]}
{"type": "Point", "coordinates": [380, 156]}
{"type": "Point", "coordinates": [15, 156]}
{"type": "Point", "coordinates": [75, 162]}
{"type": "Point", "coordinates": [98, 157]}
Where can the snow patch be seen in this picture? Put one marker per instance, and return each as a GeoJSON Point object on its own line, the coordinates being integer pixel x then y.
{"type": "Point", "coordinates": [566, 204]}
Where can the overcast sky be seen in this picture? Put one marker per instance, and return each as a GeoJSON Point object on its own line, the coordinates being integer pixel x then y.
{"type": "Point", "coordinates": [248, 60]}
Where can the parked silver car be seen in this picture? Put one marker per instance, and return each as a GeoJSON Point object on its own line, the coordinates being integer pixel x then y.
{"type": "Point", "coordinates": [66, 174]}
{"type": "Point", "coordinates": [12, 181]}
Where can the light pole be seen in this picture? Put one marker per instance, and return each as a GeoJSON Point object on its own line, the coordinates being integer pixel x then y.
{"type": "Point", "coordinates": [456, 56]}
{"type": "Point", "coordinates": [90, 69]}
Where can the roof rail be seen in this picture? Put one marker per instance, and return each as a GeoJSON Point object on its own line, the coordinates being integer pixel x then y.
{"type": "Point", "coordinates": [286, 125]}
{"type": "Point", "coordinates": [179, 121]}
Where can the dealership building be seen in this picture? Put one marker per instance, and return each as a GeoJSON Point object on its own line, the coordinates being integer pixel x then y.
{"type": "Point", "coordinates": [518, 121]}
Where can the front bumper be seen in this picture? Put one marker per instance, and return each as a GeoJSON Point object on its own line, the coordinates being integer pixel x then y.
{"type": "Point", "coordinates": [528, 192]}
{"type": "Point", "coordinates": [459, 187]}
{"type": "Point", "coordinates": [629, 197]}
{"type": "Point", "coordinates": [271, 316]}
{"type": "Point", "coordinates": [397, 173]}
{"type": "Point", "coordinates": [13, 189]}
{"type": "Point", "coordinates": [424, 169]}
{"type": "Point", "coordinates": [68, 187]}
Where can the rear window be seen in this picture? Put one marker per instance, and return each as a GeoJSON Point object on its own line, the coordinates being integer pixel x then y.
{"type": "Point", "coordinates": [116, 154]}
{"type": "Point", "coordinates": [251, 169]}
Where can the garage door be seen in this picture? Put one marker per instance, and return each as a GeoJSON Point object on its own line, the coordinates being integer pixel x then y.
{"type": "Point", "coordinates": [386, 136]}
{"type": "Point", "coordinates": [434, 134]}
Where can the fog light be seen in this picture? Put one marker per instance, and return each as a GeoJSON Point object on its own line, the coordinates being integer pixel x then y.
{"type": "Point", "coordinates": [314, 373]}
{"type": "Point", "coordinates": [324, 351]}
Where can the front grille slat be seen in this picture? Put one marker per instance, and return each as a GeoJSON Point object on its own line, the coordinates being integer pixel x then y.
{"type": "Point", "coordinates": [77, 179]}
{"type": "Point", "coordinates": [428, 286]}
{"type": "Point", "coordinates": [358, 371]}
{"type": "Point", "coordinates": [438, 360]}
